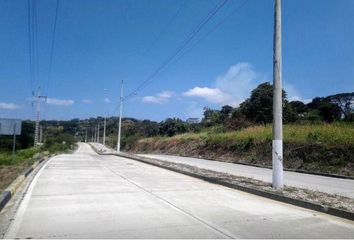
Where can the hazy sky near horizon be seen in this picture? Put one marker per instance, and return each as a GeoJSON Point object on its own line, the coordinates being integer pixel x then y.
{"type": "Point", "coordinates": [99, 43]}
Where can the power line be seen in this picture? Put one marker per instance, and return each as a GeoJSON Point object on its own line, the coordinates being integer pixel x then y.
{"type": "Point", "coordinates": [29, 43]}
{"type": "Point", "coordinates": [222, 21]}
{"type": "Point", "coordinates": [211, 30]}
{"type": "Point", "coordinates": [195, 30]}
{"type": "Point", "coordinates": [52, 46]}
{"type": "Point", "coordinates": [180, 48]}
{"type": "Point", "coordinates": [35, 44]}
{"type": "Point", "coordinates": [32, 42]}
{"type": "Point", "coordinates": [167, 25]}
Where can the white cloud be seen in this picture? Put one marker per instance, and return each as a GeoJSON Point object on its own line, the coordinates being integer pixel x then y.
{"type": "Point", "coordinates": [230, 88]}
{"type": "Point", "coordinates": [297, 98]}
{"type": "Point", "coordinates": [88, 101]}
{"type": "Point", "coordinates": [60, 102]}
{"type": "Point", "coordinates": [107, 100]}
{"type": "Point", "coordinates": [193, 110]}
{"type": "Point", "coordinates": [160, 98]}
{"type": "Point", "coordinates": [234, 86]}
{"type": "Point", "coordinates": [213, 95]}
{"type": "Point", "coordinates": [8, 106]}
{"type": "Point", "coordinates": [293, 94]}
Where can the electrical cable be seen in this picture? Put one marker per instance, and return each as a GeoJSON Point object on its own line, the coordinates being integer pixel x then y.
{"type": "Point", "coordinates": [211, 31]}
{"type": "Point", "coordinates": [195, 31]}
{"type": "Point", "coordinates": [30, 45]}
{"type": "Point", "coordinates": [52, 47]}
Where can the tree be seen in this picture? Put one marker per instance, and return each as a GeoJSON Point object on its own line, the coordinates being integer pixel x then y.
{"type": "Point", "coordinates": [237, 121]}
{"type": "Point", "coordinates": [328, 111]}
{"type": "Point", "coordinates": [211, 117]}
{"type": "Point", "coordinates": [298, 107]}
{"type": "Point", "coordinates": [149, 128]}
{"type": "Point", "coordinates": [226, 112]}
{"type": "Point", "coordinates": [259, 106]}
{"type": "Point", "coordinates": [289, 113]}
{"type": "Point", "coordinates": [345, 101]}
{"type": "Point", "coordinates": [172, 126]}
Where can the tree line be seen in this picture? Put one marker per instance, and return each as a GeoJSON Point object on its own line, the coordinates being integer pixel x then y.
{"type": "Point", "coordinates": [255, 110]}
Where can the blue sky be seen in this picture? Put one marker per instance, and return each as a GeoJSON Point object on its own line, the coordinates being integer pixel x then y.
{"type": "Point", "coordinates": [101, 42]}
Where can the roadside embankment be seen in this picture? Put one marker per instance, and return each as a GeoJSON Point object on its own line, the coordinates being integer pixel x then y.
{"type": "Point", "coordinates": [10, 169]}
{"type": "Point", "coordinates": [322, 148]}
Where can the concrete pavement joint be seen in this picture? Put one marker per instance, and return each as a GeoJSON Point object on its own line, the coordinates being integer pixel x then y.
{"type": "Point", "coordinates": [273, 196]}
{"type": "Point", "coordinates": [215, 228]}
{"type": "Point", "coordinates": [277, 197]}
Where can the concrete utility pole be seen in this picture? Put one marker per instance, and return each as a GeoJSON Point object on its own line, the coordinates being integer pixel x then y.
{"type": "Point", "coordinates": [277, 149]}
{"type": "Point", "coordinates": [40, 134]}
{"type": "Point", "coordinates": [86, 135]}
{"type": "Point", "coordinates": [104, 123]}
{"type": "Point", "coordinates": [95, 137]}
{"type": "Point", "coordinates": [98, 132]}
{"type": "Point", "coordinates": [104, 130]}
{"type": "Point", "coordinates": [38, 110]}
{"type": "Point", "coordinates": [120, 116]}
{"type": "Point", "coordinates": [14, 144]}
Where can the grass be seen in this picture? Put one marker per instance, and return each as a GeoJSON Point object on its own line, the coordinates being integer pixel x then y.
{"type": "Point", "coordinates": [11, 167]}
{"type": "Point", "coordinates": [6, 158]}
{"type": "Point", "coordinates": [327, 148]}
{"type": "Point", "coordinates": [323, 134]}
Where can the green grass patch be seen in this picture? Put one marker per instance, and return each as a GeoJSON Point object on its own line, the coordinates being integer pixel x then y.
{"type": "Point", "coordinates": [323, 134]}
{"type": "Point", "coordinates": [319, 147]}
{"type": "Point", "coordinates": [21, 155]}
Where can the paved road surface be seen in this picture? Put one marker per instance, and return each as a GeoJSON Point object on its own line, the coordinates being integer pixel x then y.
{"type": "Point", "coordinates": [84, 195]}
{"type": "Point", "coordinates": [344, 187]}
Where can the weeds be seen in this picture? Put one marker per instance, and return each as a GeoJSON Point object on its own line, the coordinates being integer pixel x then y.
{"type": "Point", "coordinates": [326, 134]}
{"type": "Point", "coordinates": [320, 147]}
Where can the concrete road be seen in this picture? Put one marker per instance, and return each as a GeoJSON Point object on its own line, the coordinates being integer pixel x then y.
{"type": "Point", "coordinates": [84, 195]}
{"type": "Point", "coordinates": [344, 187]}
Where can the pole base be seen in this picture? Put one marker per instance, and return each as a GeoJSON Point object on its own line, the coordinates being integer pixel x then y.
{"type": "Point", "coordinates": [277, 162]}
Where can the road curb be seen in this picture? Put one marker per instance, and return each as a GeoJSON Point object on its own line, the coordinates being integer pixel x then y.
{"type": "Point", "coordinates": [277, 197]}
{"type": "Point", "coordinates": [11, 189]}
{"type": "Point", "coordinates": [4, 198]}
{"type": "Point", "coordinates": [289, 170]}
{"type": "Point", "coordinates": [268, 167]}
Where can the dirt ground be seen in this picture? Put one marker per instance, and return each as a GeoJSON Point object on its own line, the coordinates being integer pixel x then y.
{"type": "Point", "coordinates": [10, 173]}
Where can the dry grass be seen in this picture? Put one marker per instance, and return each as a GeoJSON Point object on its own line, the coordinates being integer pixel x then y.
{"type": "Point", "coordinates": [326, 134]}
